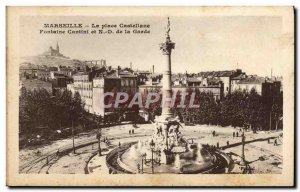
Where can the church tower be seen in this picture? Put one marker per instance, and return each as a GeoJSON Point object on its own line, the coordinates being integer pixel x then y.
{"type": "Point", "coordinates": [57, 47]}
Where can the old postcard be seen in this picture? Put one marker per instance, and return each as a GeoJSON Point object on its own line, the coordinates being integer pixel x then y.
{"type": "Point", "coordinates": [150, 96]}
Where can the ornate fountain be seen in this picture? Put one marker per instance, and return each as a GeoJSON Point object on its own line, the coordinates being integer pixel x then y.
{"type": "Point", "coordinates": [166, 150]}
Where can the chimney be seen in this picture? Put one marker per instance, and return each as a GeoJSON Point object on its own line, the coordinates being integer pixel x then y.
{"type": "Point", "coordinates": [153, 69]}
{"type": "Point", "coordinates": [271, 73]}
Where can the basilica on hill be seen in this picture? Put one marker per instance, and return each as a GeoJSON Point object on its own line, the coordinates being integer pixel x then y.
{"type": "Point", "coordinates": [53, 52]}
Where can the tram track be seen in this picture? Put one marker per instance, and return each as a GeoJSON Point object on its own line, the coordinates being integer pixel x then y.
{"type": "Point", "coordinates": [38, 164]}
{"type": "Point", "coordinates": [265, 151]}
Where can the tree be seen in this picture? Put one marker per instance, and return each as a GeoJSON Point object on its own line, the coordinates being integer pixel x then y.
{"type": "Point", "coordinates": [203, 113]}
{"type": "Point", "coordinates": [75, 111]}
{"type": "Point", "coordinates": [34, 109]}
{"type": "Point", "coordinates": [213, 110]}
{"type": "Point", "coordinates": [233, 109]}
{"type": "Point", "coordinates": [254, 111]}
{"type": "Point", "coordinates": [40, 108]}
{"type": "Point", "coordinates": [25, 120]}
{"type": "Point", "coordinates": [154, 108]}
{"type": "Point", "coordinates": [277, 109]}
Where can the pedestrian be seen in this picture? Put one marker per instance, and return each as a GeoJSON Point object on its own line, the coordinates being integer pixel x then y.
{"type": "Point", "coordinates": [119, 144]}
{"type": "Point", "coordinates": [250, 170]}
{"type": "Point", "coordinates": [268, 140]}
{"type": "Point", "coordinates": [139, 168]}
{"type": "Point", "coordinates": [57, 152]}
{"type": "Point", "coordinates": [275, 142]}
{"type": "Point", "coordinates": [233, 134]}
{"type": "Point", "coordinates": [227, 143]}
{"type": "Point", "coordinates": [237, 134]}
{"type": "Point", "coordinates": [130, 132]}
{"type": "Point", "coordinates": [218, 145]}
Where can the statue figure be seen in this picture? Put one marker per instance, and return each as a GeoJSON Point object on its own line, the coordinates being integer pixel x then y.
{"type": "Point", "coordinates": [168, 29]}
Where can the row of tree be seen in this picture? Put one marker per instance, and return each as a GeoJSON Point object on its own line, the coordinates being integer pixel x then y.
{"type": "Point", "coordinates": [238, 109]}
{"type": "Point", "coordinates": [39, 108]}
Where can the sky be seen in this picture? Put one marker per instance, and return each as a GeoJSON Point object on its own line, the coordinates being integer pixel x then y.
{"type": "Point", "coordinates": [254, 44]}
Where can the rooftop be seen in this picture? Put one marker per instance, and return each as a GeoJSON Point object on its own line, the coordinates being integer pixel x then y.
{"type": "Point", "coordinates": [252, 79]}
{"type": "Point", "coordinates": [35, 83]}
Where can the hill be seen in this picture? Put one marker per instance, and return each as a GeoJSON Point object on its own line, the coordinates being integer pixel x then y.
{"type": "Point", "coordinates": [49, 61]}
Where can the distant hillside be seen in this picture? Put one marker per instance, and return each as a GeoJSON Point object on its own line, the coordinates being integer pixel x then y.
{"type": "Point", "coordinates": [49, 61]}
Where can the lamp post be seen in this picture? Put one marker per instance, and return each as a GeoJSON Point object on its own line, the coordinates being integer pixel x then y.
{"type": "Point", "coordinates": [152, 160]}
{"type": "Point", "coordinates": [99, 137]}
{"type": "Point", "coordinates": [73, 131]}
{"type": "Point", "coordinates": [243, 162]}
{"type": "Point", "coordinates": [152, 146]}
{"type": "Point", "coordinates": [99, 134]}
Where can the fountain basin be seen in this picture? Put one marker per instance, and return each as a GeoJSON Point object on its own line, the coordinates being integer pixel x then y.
{"type": "Point", "coordinates": [120, 160]}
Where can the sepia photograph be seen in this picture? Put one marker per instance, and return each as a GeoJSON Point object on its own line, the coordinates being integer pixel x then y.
{"type": "Point", "coordinates": [137, 96]}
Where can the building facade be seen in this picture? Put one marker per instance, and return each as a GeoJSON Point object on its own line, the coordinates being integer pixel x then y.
{"type": "Point", "coordinates": [84, 86]}
{"type": "Point", "coordinates": [217, 91]}
{"type": "Point", "coordinates": [102, 85]}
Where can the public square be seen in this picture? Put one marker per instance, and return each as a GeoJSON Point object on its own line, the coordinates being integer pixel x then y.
{"type": "Point", "coordinates": [264, 157]}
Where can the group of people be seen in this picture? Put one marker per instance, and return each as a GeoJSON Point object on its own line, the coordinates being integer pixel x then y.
{"type": "Point", "coordinates": [105, 140]}
{"type": "Point", "coordinates": [235, 134]}
{"type": "Point", "coordinates": [211, 148]}
{"type": "Point", "coordinates": [159, 130]}
{"type": "Point", "coordinates": [131, 131]}
{"type": "Point", "coordinates": [247, 169]}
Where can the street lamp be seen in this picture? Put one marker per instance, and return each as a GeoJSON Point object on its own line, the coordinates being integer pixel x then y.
{"type": "Point", "coordinates": [73, 134]}
{"type": "Point", "coordinates": [99, 134]}
{"type": "Point", "coordinates": [152, 160]}
{"type": "Point", "coordinates": [243, 161]}
{"type": "Point", "coordinates": [152, 146]}
{"type": "Point", "coordinates": [99, 137]}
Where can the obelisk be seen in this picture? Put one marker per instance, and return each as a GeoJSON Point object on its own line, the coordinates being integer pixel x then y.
{"type": "Point", "coordinates": [166, 115]}
{"type": "Point", "coordinates": [166, 48]}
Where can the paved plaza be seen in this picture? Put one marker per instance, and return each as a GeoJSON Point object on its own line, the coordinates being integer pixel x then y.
{"type": "Point", "coordinates": [263, 156]}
